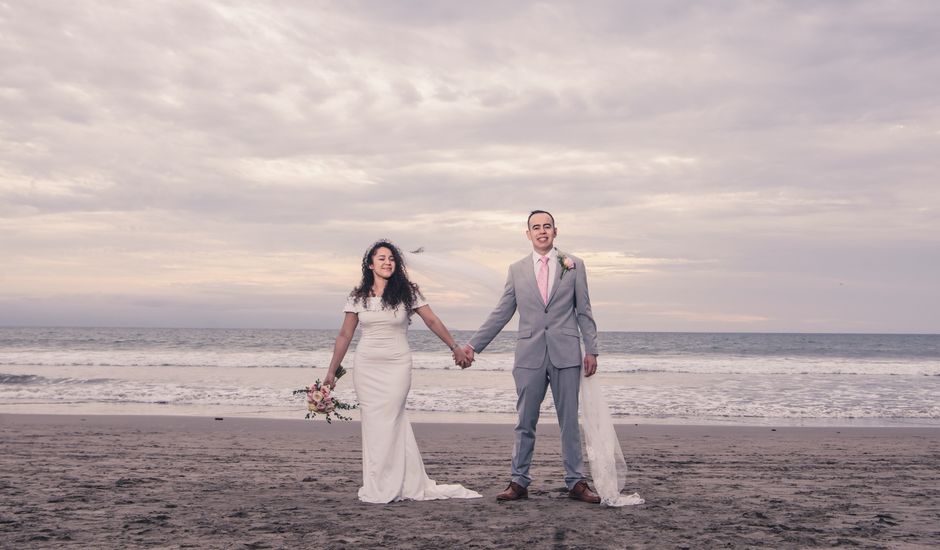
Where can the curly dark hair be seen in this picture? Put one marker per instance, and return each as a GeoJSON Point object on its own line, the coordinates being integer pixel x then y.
{"type": "Point", "coordinates": [398, 291]}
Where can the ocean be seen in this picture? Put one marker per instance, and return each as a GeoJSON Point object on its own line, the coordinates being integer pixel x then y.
{"type": "Point", "coordinates": [683, 378]}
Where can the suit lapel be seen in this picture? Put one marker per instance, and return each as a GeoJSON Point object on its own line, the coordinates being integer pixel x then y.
{"type": "Point", "coordinates": [528, 273]}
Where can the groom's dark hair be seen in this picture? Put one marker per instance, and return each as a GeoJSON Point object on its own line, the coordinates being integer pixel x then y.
{"type": "Point", "coordinates": [534, 212]}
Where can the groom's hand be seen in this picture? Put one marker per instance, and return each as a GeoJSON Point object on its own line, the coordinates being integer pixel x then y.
{"type": "Point", "coordinates": [590, 364]}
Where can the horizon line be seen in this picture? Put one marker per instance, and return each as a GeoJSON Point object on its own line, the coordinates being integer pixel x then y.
{"type": "Point", "coordinates": [135, 327]}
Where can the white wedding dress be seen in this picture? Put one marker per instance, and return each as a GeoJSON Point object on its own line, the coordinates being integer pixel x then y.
{"type": "Point", "coordinates": [392, 468]}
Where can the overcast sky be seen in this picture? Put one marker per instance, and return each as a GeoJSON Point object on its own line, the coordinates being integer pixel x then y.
{"type": "Point", "coordinates": [720, 166]}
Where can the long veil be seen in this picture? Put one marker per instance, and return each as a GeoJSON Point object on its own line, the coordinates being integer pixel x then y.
{"type": "Point", "coordinates": [608, 467]}
{"type": "Point", "coordinates": [471, 278]}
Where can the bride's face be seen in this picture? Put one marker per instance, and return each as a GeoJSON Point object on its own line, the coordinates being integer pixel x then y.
{"type": "Point", "coordinates": [383, 263]}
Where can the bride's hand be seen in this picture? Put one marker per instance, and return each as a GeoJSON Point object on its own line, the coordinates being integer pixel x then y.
{"type": "Point", "coordinates": [329, 380]}
{"type": "Point", "coordinates": [460, 357]}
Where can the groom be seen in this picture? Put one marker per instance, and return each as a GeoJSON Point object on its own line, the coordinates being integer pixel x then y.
{"type": "Point", "coordinates": [549, 288]}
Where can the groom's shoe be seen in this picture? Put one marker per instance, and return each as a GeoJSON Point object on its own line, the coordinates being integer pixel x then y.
{"type": "Point", "coordinates": [514, 492]}
{"type": "Point", "coordinates": [582, 492]}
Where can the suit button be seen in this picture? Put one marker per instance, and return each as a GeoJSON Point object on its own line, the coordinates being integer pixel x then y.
{"type": "Point", "coordinates": [546, 327]}
{"type": "Point", "coordinates": [546, 310]}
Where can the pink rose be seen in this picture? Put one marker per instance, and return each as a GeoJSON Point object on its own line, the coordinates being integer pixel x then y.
{"type": "Point", "coordinates": [569, 264]}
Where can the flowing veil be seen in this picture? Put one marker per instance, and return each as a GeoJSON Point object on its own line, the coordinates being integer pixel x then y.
{"type": "Point", "coordinates": [470, 277]}
{"type": "Point", "coordinates": [608, 467]}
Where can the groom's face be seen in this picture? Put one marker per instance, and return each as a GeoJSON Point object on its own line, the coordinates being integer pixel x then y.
{"type": "Point", "coordinates": [541, 232]}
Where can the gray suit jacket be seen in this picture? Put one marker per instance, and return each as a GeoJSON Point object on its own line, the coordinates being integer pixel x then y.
{"type": "Point", "coordinates": [554, 327]}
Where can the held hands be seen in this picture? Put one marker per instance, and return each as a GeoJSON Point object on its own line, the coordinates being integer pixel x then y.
{"type": "Point", "coordinates": [469, 352]}
{"type": "Point", "coordinates": [463, 356]}
{"type": "Point", "coordinates": [460, 357]}
{"type": "Point", "coordinates": [590, 364]}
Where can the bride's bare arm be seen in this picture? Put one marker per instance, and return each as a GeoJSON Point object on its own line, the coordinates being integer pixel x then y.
{"type": "Point", "coordinates": [341, 346]}
{"type": "Point", "coordinates": [436, 326]}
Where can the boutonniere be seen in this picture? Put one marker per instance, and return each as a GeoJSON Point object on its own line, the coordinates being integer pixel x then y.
{"type": "Point", "coordinates": [566, 263]}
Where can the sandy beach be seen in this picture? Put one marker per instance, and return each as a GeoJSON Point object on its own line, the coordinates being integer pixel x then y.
{"type": "Point", "coordinates": [195, 482]}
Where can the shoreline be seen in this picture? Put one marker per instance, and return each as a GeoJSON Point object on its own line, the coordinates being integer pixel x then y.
{"type": "Point", "coordinates": [440, 417]}
{"type": "Point", "coordinates": [318, 426]}
{"type": "Point", "coordinates": [134, 481]}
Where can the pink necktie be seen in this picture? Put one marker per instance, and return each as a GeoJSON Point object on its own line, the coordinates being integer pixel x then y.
{"type": "Point", "coordinates": [543, 279]}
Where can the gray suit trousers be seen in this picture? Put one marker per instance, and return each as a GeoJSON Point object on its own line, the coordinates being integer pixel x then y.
{"type": "Point", "coordinates": [530, 387]}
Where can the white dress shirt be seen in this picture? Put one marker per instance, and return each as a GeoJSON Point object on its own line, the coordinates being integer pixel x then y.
{"type": "Point", "coordinates": [552, 267]}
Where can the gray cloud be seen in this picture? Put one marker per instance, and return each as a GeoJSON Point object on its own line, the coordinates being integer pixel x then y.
{"type": "Point", "coordinates": [746, 156]}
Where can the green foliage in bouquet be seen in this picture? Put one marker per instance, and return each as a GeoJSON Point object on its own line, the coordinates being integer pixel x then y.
{"type": "Point", "coordinates": [320, 400]}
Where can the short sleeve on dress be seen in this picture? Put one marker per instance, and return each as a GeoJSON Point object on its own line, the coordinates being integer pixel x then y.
{"type": "Point", "coordinates": [419, 301]}
{"type": "Point", "coordinates": [352, 306]}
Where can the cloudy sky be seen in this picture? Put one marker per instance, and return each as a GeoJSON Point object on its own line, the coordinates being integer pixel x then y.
{"type": "Point", "coordinates": [719, 165]}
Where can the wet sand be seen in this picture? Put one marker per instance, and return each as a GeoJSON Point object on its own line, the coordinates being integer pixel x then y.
{"type": "Point", "coordinates": [194, 482]}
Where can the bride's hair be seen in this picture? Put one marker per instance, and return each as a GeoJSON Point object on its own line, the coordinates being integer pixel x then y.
{"type": "Point", "coordinates": [398, 291]}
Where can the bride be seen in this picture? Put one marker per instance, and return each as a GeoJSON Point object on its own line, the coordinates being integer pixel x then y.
{"type": "Point", "coordinates": [383, 303]}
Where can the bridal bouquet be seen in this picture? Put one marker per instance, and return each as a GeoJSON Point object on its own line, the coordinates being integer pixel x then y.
{"type": "Point", "coordinates": [320, 400]}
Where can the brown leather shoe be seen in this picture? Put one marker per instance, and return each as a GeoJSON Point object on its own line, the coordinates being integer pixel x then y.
{"type": "Point", "coordinates": [514, 492]}
{"type": "Point", "coordinates": [582, 492]}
